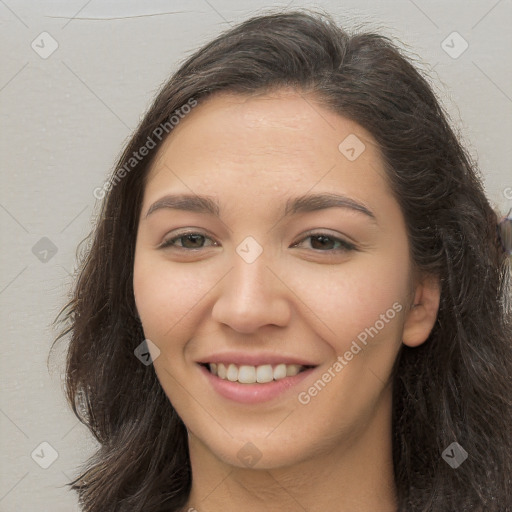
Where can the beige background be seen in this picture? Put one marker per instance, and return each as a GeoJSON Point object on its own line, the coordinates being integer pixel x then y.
{"type": "Point", "coordinates": [64, 119]}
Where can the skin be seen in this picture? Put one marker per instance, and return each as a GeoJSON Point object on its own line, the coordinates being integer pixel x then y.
{"type": "Point", "coordinates": [297, 298]}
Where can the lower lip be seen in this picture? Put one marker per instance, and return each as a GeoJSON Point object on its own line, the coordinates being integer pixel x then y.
{"type": "Point", "coordinates": [253, 393]}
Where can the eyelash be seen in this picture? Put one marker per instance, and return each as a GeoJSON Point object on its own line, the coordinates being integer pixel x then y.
{"type": "Point", "coordinates": [345, 246]}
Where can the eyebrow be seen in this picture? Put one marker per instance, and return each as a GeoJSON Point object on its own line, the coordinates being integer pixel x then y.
{"type": "Point", "coordinates": [313, 202]}
{"type": "Point", "coordinates": [187, 202]}
{"type": "Point", "coordinates": [301, 204]}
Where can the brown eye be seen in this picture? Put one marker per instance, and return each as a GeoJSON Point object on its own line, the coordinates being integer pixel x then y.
{"type": "Point", "coordinates": [327, 243]}
{"type": "Point", "coordinates": [322, 242]}
{"type": "Point", "coordinates": [192, 241]}
{"type": "Point", "coordinates": [187, 241]}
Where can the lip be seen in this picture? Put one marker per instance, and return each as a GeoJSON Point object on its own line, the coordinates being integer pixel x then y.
{"type": "Point", "coordinates": [240, 358]}
{"type": "Point", "coordinates": [253, 393]}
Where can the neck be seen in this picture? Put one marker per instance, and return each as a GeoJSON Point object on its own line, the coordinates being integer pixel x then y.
{"type": "Point", "coordinates": [348, 476]}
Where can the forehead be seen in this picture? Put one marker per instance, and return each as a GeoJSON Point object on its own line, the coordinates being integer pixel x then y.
{"type": "Point", "coordinates": [276, 142]}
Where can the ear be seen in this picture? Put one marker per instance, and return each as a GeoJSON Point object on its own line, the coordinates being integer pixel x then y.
{"type": "Point", "coordinates": [422, 314]}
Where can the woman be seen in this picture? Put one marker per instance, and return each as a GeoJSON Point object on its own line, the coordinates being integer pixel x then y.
{"type": "Point", "coordinates": [298, 242]}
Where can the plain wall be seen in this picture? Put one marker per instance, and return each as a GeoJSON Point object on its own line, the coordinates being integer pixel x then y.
{"type": "Point", "coordinates": [64, 119]}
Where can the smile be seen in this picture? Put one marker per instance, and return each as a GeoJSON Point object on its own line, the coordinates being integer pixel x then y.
{"type": "Point", "coordinates": [248, 374]}
{"type": "Point", "coordinates": [252, 384]}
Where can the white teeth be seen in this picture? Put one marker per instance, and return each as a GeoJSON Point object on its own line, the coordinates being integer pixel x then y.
{"type": "Point", "coordinates": [221, 371]}
{"type": "Point", "coordinates": [232, 374]}
{"type": "Point", "coordinates": [264, 373]}
{"type": "Point", "coordinates": [280, 371]}
{"type": "Point", "coordinates": [292, 369]}
{"type": "Point", "coordinates": [247, 374]}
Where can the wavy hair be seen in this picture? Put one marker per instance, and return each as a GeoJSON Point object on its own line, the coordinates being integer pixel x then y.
{"type": "Point", "coordinates": [455, 387]}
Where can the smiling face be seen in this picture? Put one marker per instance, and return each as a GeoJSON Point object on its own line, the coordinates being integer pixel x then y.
{"type": "Point", "coordinates": [237, 264]}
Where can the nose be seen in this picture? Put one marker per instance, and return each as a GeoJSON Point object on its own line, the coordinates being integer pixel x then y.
{"type": "Point", "coordinates": [251, 296]}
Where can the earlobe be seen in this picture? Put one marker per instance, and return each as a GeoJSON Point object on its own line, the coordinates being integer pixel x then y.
{"type": "Point", "coordinates": [422, 314]}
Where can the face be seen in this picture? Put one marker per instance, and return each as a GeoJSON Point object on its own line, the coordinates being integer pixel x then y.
{"type": "Point", "coordinates": [271, 248]}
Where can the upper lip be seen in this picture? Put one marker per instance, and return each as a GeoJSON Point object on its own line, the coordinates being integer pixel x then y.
{"type": "Point", "coordinates": [246, 358]}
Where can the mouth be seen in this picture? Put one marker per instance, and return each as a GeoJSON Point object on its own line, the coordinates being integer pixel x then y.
{"type": "Point", "coordinates": [252, 384]}
{"type": "Point", "coordinates": [249, 374]}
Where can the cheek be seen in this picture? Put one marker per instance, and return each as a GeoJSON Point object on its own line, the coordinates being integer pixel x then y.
{"type": "Point", "coordinates": [347, 301]}
{"type": "Point", "coordinates": [358, 312]}
{"type": "Point", "coordinates": [167, 297]}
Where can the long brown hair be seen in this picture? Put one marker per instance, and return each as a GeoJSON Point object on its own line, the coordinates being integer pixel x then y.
{"type": "Point", "coordinates": [454, 388]}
